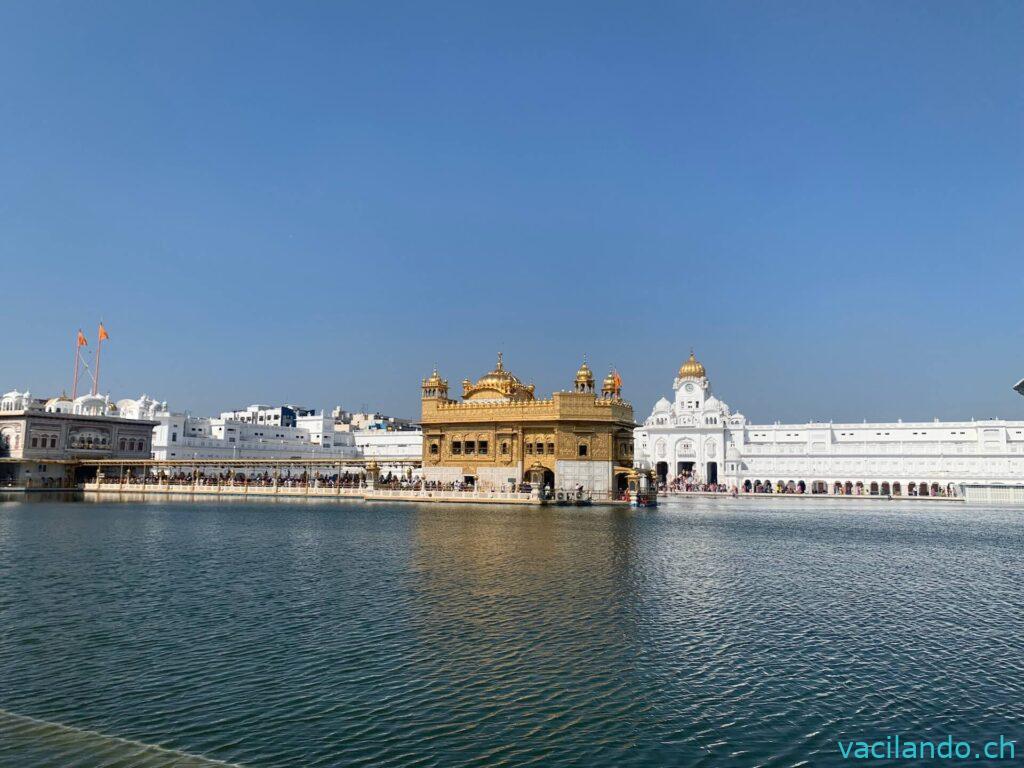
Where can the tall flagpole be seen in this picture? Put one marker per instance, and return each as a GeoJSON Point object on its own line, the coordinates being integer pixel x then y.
{"type": "Point", "coordinates": [101, 336]}
{"type": "Point", "coordinates": [74, 386]}
{"type": "Point", "coordinates": [96, 375]}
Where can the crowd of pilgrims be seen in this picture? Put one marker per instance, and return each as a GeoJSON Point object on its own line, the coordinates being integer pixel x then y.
{"type": "Point", "coordinates": [388, 481]}
{"type": "Point", "coordinates": [267, 480]}
{"type": "Point", "coordinates": [686, 484]}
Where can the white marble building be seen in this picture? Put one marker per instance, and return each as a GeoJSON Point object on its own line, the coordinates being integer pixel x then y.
{"type": "Point", "coordinates": [257, 433]}
{"type": "Point", "coordinates": [41, 441]}
{"type": "Point", "coordinates": [182, 436]}
{"type": "Point", "coordinates": [697, 436]}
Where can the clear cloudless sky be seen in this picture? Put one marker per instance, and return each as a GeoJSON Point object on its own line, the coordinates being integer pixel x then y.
{"type": "Point", "coordinates": [316, 202]}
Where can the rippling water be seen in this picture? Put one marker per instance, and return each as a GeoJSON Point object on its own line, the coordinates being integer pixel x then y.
{"type": "Point", "coordinates": [702, 633]}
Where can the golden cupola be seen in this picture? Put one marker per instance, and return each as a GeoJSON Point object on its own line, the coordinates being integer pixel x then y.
{"type": "Point", "coordinates": [692, 369]}
{"type": "Point", "coordinates": [584, 378]}
{"type": "Point", "coordinates": [435, 386]}
{"type": "Point", "coordinates": [611, 387]}
{"type": "Point", "coordinates": [498, 384]}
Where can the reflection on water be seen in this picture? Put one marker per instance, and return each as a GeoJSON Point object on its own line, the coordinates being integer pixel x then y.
{"type": "Point", "coordinates": [703, 633]}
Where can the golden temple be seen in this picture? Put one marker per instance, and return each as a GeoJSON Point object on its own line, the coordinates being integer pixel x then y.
{"type": "Point", "coordinates": [500, 434]}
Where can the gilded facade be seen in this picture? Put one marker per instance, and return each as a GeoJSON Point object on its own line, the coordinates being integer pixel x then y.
{"type": "Point", "coordinates": [499, 433]}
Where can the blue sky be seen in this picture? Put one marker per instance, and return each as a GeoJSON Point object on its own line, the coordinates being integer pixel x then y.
{"type": "Point", "coordinates": [315, 202]}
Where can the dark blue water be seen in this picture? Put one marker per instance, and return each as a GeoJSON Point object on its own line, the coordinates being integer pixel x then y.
{"type": "Point", "coordinates": [703, 634]}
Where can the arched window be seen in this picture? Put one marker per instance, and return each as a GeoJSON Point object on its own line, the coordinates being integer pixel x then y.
{"type": "Point", "coordinates": [53, 441]}
{"type": "Point", "coordinates": [122, 444]}
{"type": "Point", "coordinates": [582, 449]}
{"type": "Point", "coordinates": [433, 449]}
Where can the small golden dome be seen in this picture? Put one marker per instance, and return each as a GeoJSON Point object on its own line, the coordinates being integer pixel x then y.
{"type": "Point", "coordinates": [584, 375]}
{"type": "Point", "coordinates": [434, 380]}
{"type": "Point", "coordinates": [692, 368]}
{"type": "Point", "coordinates": [612, 383]}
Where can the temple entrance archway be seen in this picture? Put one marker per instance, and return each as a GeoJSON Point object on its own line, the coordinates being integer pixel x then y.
{"type": "Point", "coordinates": [684, 469]}
{"type": "Point", "coordinates": [661, 469]}
{"type": "Point", "coordinates": [712, 472]}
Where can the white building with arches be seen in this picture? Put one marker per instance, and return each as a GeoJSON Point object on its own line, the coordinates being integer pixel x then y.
{"type": "Point", "coordinates": [42, 440]}
{"type": "Point", "coordinates": [695, 437]}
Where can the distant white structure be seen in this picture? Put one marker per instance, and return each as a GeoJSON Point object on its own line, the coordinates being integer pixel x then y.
{"type": "Point", "coordinates": [696, 437]}
{"type": "Point", "coordinates": [276, 432]}
{"type": "Point", "coordinates": [255, 433]}
{"type": "Point", "coordinates": [352, 421]}
{"type": "Point", "coordinates": [382, 444]}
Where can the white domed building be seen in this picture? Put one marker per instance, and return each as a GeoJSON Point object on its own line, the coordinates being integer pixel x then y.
{"type": "Point", "coordinates": [696, 438]}
{"type": "Point", "coordinates": [42, 442]}
{"type": "Point", "coordinates": [62, 404]}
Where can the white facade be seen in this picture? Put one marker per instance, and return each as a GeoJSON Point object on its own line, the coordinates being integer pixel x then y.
{"type": "Point", "coordinates": [41, 440]}
{"type": "Point", "coordinates": [181, 436]}
{"type": "Point", "coordinates": [383, 444]}
{"type": "Point", "coordinates": [697, 436]}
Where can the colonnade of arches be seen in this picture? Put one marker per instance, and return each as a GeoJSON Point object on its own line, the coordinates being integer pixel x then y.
{"type": "Point", "coordinates": [849, 487]}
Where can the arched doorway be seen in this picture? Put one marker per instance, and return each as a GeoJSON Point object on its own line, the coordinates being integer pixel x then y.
{"type": "Point", "coordinates": [897, 490]}
{"type": "Point", "coordinates": [684, 469]}
{"type": "Point", "coordinates": [848, 488]}
{"type": "Point", "coordinates": [837, 488]}
{"type": "Point", "coordinates": [801, 487]}
{"type": "Point", "coordinates": [885, 490]}
{"type": "Point", "coordinates": [874, 489]}
{"type": "Point", "coordinates": [747, 487]}
{"type": "Point", "coordinates": [935, 489]}
{"type": "Point", "coordinates": [712, 472]}
{"type": "Point", "coordinates": [912, 489]}
{"type": "Point", "coordinates": [621, 481]}
{"type": "Point", "coordinates": [922, 489]}
{"type": "Point", "coordinates": [661, 470]}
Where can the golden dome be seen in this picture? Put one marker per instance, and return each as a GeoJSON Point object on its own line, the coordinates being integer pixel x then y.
{"type": "Point", "coordinates": [500, 382]}
{"type": "Point", "coordinates": [434, 380]}
{"type": "Point", "coordinates": [692, 368]}
{"type": "Point", "coordinates": [612, 384]}
{"type": "Point", "coordinates": [584, 375]}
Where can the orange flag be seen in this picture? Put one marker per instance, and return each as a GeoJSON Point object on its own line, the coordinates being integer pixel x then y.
{"type": "Point", "coordinates": [103, 333]}
{"type": "Point", "coordinates": [618, 380]}
{"type": "Point", "coordinates": [81, 339]}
